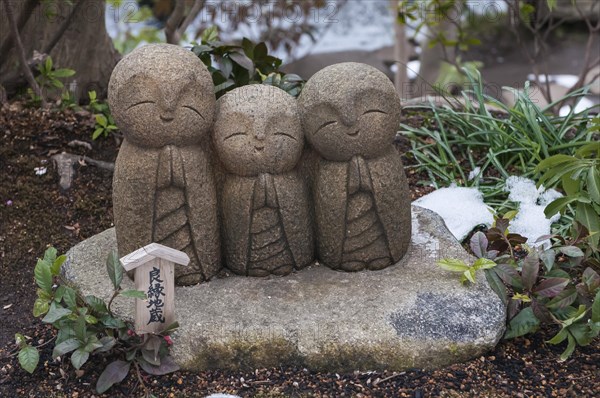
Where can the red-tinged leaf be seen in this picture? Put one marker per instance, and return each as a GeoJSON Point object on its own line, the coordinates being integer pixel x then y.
{"type": "Point", "coordinates": [502, 224]}
{"type": "Point", "coordinates": [551, 287]}
{"type": "Point", "coordinates": [530, 271]}
{"type": "Point", "coordinates": [541, 312]}
{"type": "Point", "coordinates": [507, 273]}
{"type": "Point", "coordinates": [563, 299]}
{"type": "Point", "coordinates": [543, 238]}
{"type": "Point", "coordinates": [167, 365]}
{"type": "Point", "coordinates": [513, 308]}
{"type": "Point", "coordinates": [591, 279]}
{"type": "Point", "coordinates": [115, 372]}
{"type": "Point", "coordinates": [479, 244]}
{"type": "Point", "coordinates": [516, 239]}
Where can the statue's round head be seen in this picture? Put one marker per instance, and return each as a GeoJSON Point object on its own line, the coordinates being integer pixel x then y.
{"type": "Point", "coordinates": [162, 94]}
{"type": "Point", "coordinates": [350, 109]}
{"type": "Point", "coordinates": [258, 130]}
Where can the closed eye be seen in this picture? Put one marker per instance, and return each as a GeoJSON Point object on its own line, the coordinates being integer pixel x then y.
{"type": "Point", "coordinates": [325, 125]}
{"type": "Point", "coordinates": [193, 109]}
{"type": "Point", "coordinates": [375, 111]}
{"type": "Point", "coordinates": [286, 134]}
{"type": "Point", "coordinates": [234, 135]}
{"type": "Point", "coordinates": [140, 103]}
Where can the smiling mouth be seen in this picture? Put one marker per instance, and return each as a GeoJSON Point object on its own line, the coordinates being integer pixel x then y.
{"type": "Point", "coordinates": [353, 134]}
{"type": "Point", "coordinates": [259, 148]}
{"type": "Point", "coordinates": [166, 119]}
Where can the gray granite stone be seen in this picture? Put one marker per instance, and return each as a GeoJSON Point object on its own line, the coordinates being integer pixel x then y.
{"type": "Point", "coordinates": [412, 314]}
{"type": "Point", "coordinates": [350, 114]}
{"type": "Point", "coordinates": [162, 99]}
{"type": "Point", "coordinates": [266, 223]}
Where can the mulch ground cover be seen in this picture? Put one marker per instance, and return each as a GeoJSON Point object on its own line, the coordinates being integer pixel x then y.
{"type": "Point", "coordinates": [35, 213]}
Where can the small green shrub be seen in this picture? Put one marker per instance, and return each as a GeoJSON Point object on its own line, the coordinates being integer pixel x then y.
{"type": "Point", "coordinates": [241, 65]}
{"type": "Point", "coordinates": [579, 177]}
{"type": "Point", "coordinates": [542, 285]}
{"type": "Point", "coordinates": [86, 326]}
{"type": "Point", "coordinates": [105, 124]}
{"type": "Point", "coordinates": [468, 137]}
{"type": "Point", "coordinates": [49, 80]}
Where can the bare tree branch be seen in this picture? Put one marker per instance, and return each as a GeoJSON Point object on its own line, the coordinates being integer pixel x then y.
{"type": "Point", "coordinates": [174, 21]}
{"type": "Point", "coordinates": [21, 52]}
{"type": "Point", "coordinates": [196, 8]}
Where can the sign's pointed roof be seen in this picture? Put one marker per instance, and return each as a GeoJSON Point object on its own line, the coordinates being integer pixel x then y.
{"type": "Point", "coordinates": [150, 252]}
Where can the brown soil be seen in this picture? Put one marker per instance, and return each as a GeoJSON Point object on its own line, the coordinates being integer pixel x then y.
{"type": "Point", "coordinates": [34, 213]}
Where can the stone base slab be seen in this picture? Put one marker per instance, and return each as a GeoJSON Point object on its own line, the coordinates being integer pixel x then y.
{"type": "Point", "coordinates": [410, 315]}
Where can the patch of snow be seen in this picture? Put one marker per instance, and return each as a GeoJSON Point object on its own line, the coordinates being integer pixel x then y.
{"type": "Point", "coordinates": [413, 68]}
{"type": "Point", "coordinates": [461, 208]}
{"type": "Point", "coordinates": [582, 105]}
{"type": "Point", "coordinates": [530, 221]}
{"type": "Point", "coordinates": [222, 396]}
{"type": "Point", "coordinates": [562, 80]}
{"type": "Point", "coordinates": [474, 173]}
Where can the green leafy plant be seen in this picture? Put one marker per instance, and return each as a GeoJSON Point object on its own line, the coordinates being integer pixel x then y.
{"type": "Point", "coordinates": [105, 124]}
{"type": "Point", "coordinates": [540, 285]}
{"type": "Point", "coordinates": [234, 66]}
{"type": "Point", "coordinates": [492, 145]}
{"type": "Point", "coordinates": [579, 177]}
{"type": "Point", "coordinates": [86, 326]}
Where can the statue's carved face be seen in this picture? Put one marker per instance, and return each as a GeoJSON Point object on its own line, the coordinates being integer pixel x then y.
{"type": "Point", "coordinates": [162, 96]}
{"type": "Point", "coordinates": [349, 110]}
{"type": "Point", "coordinates": [258, 130]}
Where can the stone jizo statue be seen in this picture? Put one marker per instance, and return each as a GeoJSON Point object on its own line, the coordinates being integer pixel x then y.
{"type": "Point", "coordinates": [266, 222]}
{"type": "Point", "coordinates": [162, 99]}
{"type": "Point", "coordinates": [350, 115]}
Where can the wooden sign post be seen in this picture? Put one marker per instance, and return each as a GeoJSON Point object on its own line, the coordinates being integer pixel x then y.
{"type": "Point", "coordinates": [154, 266]}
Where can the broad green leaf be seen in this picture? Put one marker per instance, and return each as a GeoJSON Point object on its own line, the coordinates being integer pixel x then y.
{"type": "Point", "coordinates": [97, 132]}
{"type": "Point", "coordinates": [115, 269]}
{"type": "Point", "coordinates": [548, 257]}
{"type": "Point", "coordinates": [79, 357]}
{"type": "Point", "coordinates": [43, 276]}
{"type": "Point", "coordinates": [557, 273]}
{"type": "Point", "coordinates": [531, 268]}
{"type": "Point", "coordinates": [588, 149]}
{"type": "Point", "coordinates": [593, 181]}
{"type": "Point", "coordinates": [113, 323]}
{"type": "Point", "coordinates": [65, 347]}
{"type": "Point", "coordinates": [56, 264]}
{"type": "Point", "coordinates": [133, 294]}
{"type": "Point", "coordinates": [570, 348]}
{"type": "Point", "coordinates": [525, 322]}
{"type": "Point", "coordinates": [596, 308]}
{"type": "Point", "coordinates": [80, 328]}
{"type": "Point", "coordinates": [496, 285]}
{"type": "Point", "coordinates": [63, 73]}
{"type": "Point", "coordinates": [559, 338]}
{"type": "Point", "coordinates": [571, 251]}
{"type": "Point", "coordinates": [40, 307]}
{"type": "Point", "coordinates": [452, 264]}
{"type": "Point", "coordinates": [29, 358]}
{"type": "Point", "coordinates": [101, 120]}
{"type": "Point", "coordinates": [50, 255]}
{"type": "Point", "coordinates": [90, 319]}
{"type": "Point", "coordinates": [558, 204]}
{"type": "Point", "coordinates": [563, 299]}
{"type": "Point", "coordinates": [483, 263]}
{"type": "Point", "coordinates": [586, 215]}
{"type": "Point", "coordinates": [70, 297]}
{"type": "Point", "coordinates": [115, 372]}
{"type": "Point", "coordinates": [570, 185]}
{"type": "Point", "coordinates": [96, 304]}
{"type": "Point", "coordinates": [581, 333]}
{"type": "Point", "coordinates": [554, 161]}
{"type": "Point", "coordinates": [151, 357]}
{"type": "Point", "coordinates": [470, 275]}
{"type": "Point", "coordinates": [55, 313]}
{"type": "Point", "coordinates": [551, 287]}
{"type": "Point", "coordinates": [576, 315]}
